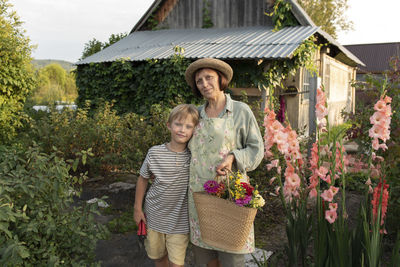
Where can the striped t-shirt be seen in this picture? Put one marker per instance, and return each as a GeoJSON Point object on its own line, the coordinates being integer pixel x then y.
{"type": "Point", "coordinates": [166, 203]}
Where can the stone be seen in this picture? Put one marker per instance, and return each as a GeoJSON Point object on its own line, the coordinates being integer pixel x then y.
{"type": "Point", "coordinates": [121, 186]}
{"type": "Point", "coordinates": [101, 203]}
{"type": "Point", "coordinates": [261, 256]}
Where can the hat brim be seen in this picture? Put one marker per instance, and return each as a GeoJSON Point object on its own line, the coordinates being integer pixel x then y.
{"type": "Point", "coordinates": [207, 63]}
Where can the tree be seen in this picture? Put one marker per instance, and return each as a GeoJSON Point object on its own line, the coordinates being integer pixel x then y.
{"type": "Point", "coordinates": [16, 72]}
{"type": "Point", "coordinates": [54, 83]}
{"type": "Point", "coordinates": [329, 14]}
{"type": "Point", "coordinates": [94, 45]}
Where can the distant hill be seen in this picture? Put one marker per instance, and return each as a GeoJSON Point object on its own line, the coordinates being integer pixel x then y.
{"type": "Point", "coordinates": [40, 63]}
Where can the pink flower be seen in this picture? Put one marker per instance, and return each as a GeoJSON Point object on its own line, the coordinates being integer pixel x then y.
{"type": "Point", "coordinates": [293, 180]}
{"type": "Point", "coordinates": [320, 111]}
{"type": "Point", "coordinates": [380, 106]}
{"type": "Point", "coordinates": [387, 99]}
{"type": "Point", "coordinates": [243, 201]}
{"type": "Point", "coordinates": [280, 137]}
{"type": "Point", "coordinates": [327, 195]}
{"type": "Point", "coordinates": [322, 124]}
{"type": "Point", "coordinates": [321, 172]}
{"type": "Point", "coordinates": [334, 190]}
{"type": "Point", "coordinates": [276, 127]}
{"type": "Point", "coordinates": [333, 206]}
{"type": "Point", "coordinates": [377, 117]}
{"type": "Point", "coordinates": [273, 164]}
{"type": "Point", "coordinates": [330, 216]}
{"type": "Point", "coordinates": [321, 98]}
{"type": "Point", "coordinates": [313, 193]}
{"type": "Point", "coordinates": [211, 186]}
{"type": "Point", "coordinates": [272, 180]}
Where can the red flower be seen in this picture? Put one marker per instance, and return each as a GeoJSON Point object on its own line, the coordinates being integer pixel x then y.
{"type": "Point", "coordinates": [376, 199]}
{"type": "Point", "coordinates": [249, 188]}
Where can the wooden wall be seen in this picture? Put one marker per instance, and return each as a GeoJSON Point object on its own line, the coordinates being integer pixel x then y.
{"type": "Point", "coordinates": [224, 14]}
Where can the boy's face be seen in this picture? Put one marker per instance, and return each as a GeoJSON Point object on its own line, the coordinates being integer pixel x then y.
{"type": "Point", "coordinates": [181, 129]}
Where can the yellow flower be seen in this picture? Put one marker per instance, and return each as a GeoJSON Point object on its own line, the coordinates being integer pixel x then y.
{"type": "Point", "coordinates": [258, 201]}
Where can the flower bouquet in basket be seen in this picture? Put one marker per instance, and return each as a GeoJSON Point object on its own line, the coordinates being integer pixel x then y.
{"type": "Point", "coordinates": [226, 211]}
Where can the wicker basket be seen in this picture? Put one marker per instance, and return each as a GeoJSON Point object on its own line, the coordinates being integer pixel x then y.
{"type": "Point", "coordinates": [223, 224]}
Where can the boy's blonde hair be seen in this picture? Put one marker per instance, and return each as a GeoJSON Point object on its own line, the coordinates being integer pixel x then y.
{"type": "Point", "coordinates": [182, 111]}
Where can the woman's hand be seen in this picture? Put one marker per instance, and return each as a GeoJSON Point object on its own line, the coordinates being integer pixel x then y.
{"type": "Point", "coordinates": [225, 164]}
{"type": "Point", "coordinates": [138, 216]}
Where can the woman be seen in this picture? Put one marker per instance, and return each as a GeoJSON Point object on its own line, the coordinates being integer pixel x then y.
{"type": "Point", "coordinates": [227, 136]}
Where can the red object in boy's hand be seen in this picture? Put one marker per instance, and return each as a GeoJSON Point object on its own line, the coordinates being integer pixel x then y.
{"type": "Point", "coordinates": [142, 232]}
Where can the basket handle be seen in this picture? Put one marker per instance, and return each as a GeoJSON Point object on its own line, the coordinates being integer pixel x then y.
{"type": "Point", "coordinates": [227, 172]}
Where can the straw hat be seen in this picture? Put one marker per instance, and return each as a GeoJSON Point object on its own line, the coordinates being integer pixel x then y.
{"type": "Point", "coordinates": [209, 63]}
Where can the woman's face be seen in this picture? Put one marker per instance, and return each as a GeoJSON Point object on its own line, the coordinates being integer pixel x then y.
{"type": "Point", "coordinates": [207, 82]}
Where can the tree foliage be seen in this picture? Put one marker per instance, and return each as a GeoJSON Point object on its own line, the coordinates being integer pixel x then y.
{"type": "Point", "coordinates": [54, 83]}
{"type": "Point", "coordinates": [329, 14]}
{"type": "Point", "coordinates": [16, 73]}
{"type": "Point", "coordinates": [94, 45]}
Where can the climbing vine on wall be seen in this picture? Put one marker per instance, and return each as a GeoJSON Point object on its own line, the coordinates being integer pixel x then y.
{"type": "Point", "coordinates": [282, 15]}
{"type": "Point", "coordinates": [278, 70]}
{"type": "Point", "coordinates": [207, 22]}
{"type": "Point", "coordinates": [135, 86]}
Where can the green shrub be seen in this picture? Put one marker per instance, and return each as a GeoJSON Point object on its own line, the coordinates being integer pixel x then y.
{"type": "Point", "coordinates": [335, 132]}
{"type": "Point", "coordinates": [115, 141]}
{"type": "Point", "coordinates": [38, 224]}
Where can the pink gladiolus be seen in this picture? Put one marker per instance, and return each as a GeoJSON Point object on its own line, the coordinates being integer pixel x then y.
{"type": "Point", "coordinates": [334, 190]}
{"type": "Point", "coordinates": [333, 206]}
{"type": "Point", "coordinates": [273, 164]}
{"type": "Point", "coordinates": [322, 172]}
{"type": "Point", "coordinates": [375, 144]}
{"type": "Point", "coordinates": [320, 111]}
{"type": "Point", "coordinates": [276, 127]}
{"type": "Point", "coordinates": [272, 180]}
{"type": "Point", "coordinates": [313, 193]}
{"type": "Point", "coordinates": [387, 99]}
{"type": "Point", "coordinates": [327, 195]}
{"type": "Point", "coordinates": [321, 98]}
{"type": "Point", "coordinates": [330, 216]}
{"type": "Point", "coordinates": [280, 137]}
{"type": "Point", "coordinates": [277, 190]}
{"type": "Point", "coordinates": [293, 180]}
{"type": "Point", "coordinates": [377, 117]}
{"type": "Point", "coordinates": [380, 105]}
{"type": "Point", "coordinates": [322, 123]}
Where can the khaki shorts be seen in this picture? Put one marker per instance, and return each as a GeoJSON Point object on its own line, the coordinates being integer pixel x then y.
{"type": "Point", "coordinates": [174, 245]}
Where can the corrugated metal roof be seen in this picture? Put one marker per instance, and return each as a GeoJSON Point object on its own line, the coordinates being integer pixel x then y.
{"type": "Point", "coordinates": [232, 43]}
{"type": "Point", "coordinates": [375, 56]}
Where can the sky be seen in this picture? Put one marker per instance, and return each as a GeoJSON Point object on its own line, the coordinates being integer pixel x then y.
{"type": "Point", "coordinates": [60, 28]}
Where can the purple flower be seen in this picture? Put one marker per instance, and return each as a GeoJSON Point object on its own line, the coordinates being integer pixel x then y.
{"type": "Point", "coordinates": [243, 201]}
{"type": "Point", "coordinates": [211, 186]}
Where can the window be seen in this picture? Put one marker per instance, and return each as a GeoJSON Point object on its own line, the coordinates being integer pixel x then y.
{"type": "Point", "coordinates": [305, 91]}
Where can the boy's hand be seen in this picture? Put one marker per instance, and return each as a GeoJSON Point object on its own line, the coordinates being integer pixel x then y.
{"type": "Point", "coordinates": [225, 164]}
{"type": "Point", "coordinates": [138, 216]}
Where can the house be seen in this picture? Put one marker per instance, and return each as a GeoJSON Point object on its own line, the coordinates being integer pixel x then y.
{"type": "Point", "coordinates": [239, 32]}
{"type": "Point", "coordinates": [375, 56]}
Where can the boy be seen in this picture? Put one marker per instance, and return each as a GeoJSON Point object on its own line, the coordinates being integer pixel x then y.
{"type": "Point", "coordinates": [165, 208]}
